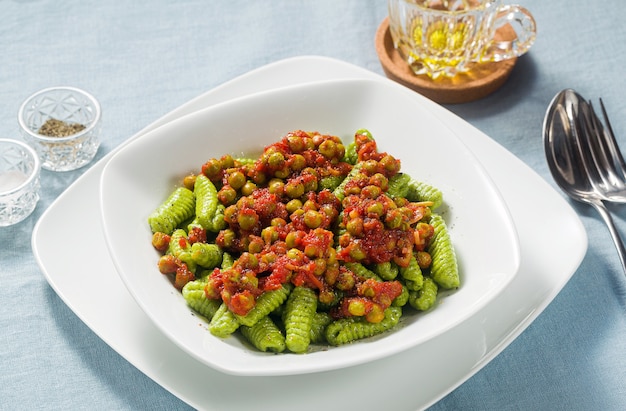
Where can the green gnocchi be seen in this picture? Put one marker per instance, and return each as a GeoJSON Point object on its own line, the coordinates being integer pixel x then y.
{"type": "Point", "coordinates": [312, 243]}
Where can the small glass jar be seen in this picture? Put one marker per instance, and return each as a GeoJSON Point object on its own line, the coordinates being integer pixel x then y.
{"type": "Point", "coordinates": [19, 181]}
{"type": "Point", "coordinates": [63, 125]}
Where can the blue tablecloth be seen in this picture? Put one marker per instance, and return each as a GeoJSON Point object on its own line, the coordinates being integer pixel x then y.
{"type": "Point", "coordinates": [143, 59]}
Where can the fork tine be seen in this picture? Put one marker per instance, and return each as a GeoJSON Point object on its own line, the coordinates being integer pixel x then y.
{"type": "Point", "coordinates": [612, 143]}
{"type": "Point", "coordinates": [603, 149]}
{"type": "Point", "coordinates": [589, 156]}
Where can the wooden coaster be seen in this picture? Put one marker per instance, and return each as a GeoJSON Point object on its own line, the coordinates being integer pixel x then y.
{"type": "Point", "coordinates": [482, 80]}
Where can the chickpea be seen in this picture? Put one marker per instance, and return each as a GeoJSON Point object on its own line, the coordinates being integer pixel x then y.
{"type": "Point", "coordinates": [309, 143]}
{"type": "Point", "coordinates": [318, 139]}
{"type": "Point", "coordinates": [248, 260]}
{"type": "Point", "coordinates": [168, 264]}
{"type": "Point", "coordinates": [310, 171]}
{"type": "Point", "coordinates": [331, 257]}
{"type": "Point", "coordinates": [330, 211]}
{"type": "Point", "coordinates": [340, 151]}
{"type": "Point", "coordinates": [160, 241]}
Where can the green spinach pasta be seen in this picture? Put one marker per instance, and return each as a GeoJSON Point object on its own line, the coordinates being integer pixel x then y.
{"type": "Point", "coordinates": [312, 243]}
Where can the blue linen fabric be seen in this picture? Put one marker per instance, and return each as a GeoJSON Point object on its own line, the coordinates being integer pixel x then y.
{"type": "Point", "coordinates": [143, 59]}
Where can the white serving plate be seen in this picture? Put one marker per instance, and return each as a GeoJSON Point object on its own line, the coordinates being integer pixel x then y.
{"type": "Point", "coordinates": [140, 176]}
{"type": "Point", "coordinates": [552, 244]}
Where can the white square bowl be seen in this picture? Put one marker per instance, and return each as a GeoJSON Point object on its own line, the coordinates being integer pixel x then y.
{"type": "Point", "coordinates": [141, 175]}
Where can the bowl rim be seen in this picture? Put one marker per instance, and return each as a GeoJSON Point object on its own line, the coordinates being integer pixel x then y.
{"type": "Point", "coordinates": [32, 175]}
{"type": "Point", "coordinates": [35, 135]}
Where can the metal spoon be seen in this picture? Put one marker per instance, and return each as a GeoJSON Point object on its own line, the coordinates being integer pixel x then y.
{"type": "Point", "coordinates": [569, 157]}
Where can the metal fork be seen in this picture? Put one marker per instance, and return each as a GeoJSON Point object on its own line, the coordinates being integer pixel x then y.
{"type": "Point", "coordinates": [610, 165]}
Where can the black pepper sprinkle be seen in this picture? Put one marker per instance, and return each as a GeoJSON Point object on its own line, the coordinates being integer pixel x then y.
{"type": "Point", "coordinates": [58, 128]}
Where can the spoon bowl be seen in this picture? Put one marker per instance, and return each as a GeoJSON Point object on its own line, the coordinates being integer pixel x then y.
{"type": "Point", "coordinates": [569, 140]}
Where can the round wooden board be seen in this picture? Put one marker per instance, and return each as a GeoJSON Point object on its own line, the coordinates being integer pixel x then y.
{"type": "Point", "coordinates": [481, 81]}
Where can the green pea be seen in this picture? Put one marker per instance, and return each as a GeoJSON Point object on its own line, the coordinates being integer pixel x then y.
{"type": "Point", "coordinates": [276, 186]}
{"type": "Point", "coordinates": [376, 208]}
{"type": "Point", "coordinates": [295, 254]}
{"type": "Point", "coordinates": [227, 195]}
{"type": "Point", "coordinates": [212, 167]}
{"type": "Point", "coordinates": [276, 160]}
{"type": "Point", "coordinates": [227, 161]}
{"type": "Point", "coordinates": [296, 144]}
{"type": "Point", "coordinates": [357, 253]}
{"type": "Point", "coordinates": [293, 205]}
{"type": "Point", "coordinates": [256, 245]}
{"type": "Point", "coordinates": [236, 179]}
{"type": "Point", "coordinates": [248, 188]}
{"type": "Point", "coordinates": [297, 163]}
{"type": "Point", "coordinates": [291, 239]}
{"type": "Point", "coordinates": [355, 227]}
{"type": "Point", "coordinates": [371, 191]}
{"type": "Point", "coordinates": [228, 238]}
{"type": "Point", "coordinates": [269, 234]}
{"type": "Point", "coordinates": [283, 172]}
{"type": "Point", "coordinates": [247, 220]}
{"type": "Point", "coordinates": [294, 189]}
{"type": "Point", "coordinates": [327, 149]}
{"type": "Point", "coordinates": [313, 219]}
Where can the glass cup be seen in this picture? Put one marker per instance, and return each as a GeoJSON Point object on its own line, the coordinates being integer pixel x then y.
{"type": "Point", "coordinates": [71, 120]}
{"type": "Point", "coordinates": [19, 181]}
{"type": "Point", "coordinates": [447, 37]}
